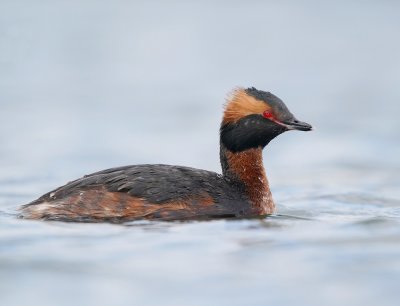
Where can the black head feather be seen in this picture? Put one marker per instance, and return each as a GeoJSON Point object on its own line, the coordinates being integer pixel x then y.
{"type": "Point", "coordinates": [279, 108]}
{"type": "Point", "coordinates": [249, 132]}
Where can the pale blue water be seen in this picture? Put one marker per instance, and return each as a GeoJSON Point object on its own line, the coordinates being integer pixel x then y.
{"type": "Point", "coordinates": [91, 85]}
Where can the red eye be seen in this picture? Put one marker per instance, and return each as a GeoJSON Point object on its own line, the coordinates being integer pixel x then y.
{"type": "Point", "coordinates": [267, 114]}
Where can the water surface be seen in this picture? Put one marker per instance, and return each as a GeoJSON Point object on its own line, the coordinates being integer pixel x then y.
{"type": "Point", "coordinates": [93, 85]}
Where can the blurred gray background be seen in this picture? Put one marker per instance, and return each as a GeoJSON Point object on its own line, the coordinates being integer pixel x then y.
{"type": "Point", "coordinates": [88, 85]}
{"type": "Point", "coordinates": [93, 84]}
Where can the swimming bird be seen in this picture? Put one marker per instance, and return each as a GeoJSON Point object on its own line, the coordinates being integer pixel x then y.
{"type": "Point", "coordinates": [251, 119]}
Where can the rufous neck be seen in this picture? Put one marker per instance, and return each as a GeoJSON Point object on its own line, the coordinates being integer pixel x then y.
{"type": "Point", "coordinates": [246, 167]}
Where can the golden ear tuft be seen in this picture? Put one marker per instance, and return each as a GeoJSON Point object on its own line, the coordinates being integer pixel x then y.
{"type": "Point", "coordinates": [239, 104]}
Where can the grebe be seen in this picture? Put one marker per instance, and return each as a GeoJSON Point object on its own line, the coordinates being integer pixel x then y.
{"type": "Point", "coordinates": [251, 119]}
